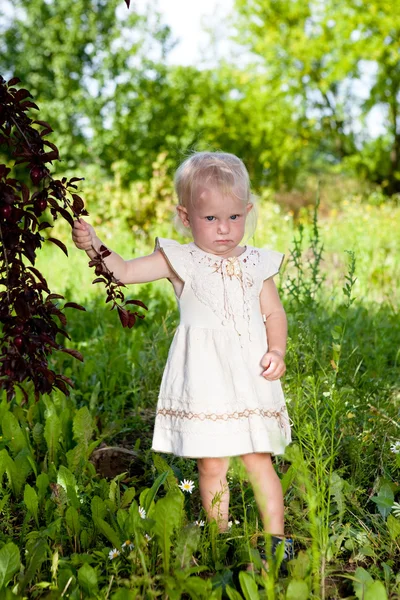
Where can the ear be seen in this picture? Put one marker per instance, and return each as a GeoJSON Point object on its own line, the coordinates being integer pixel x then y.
{"type": "Point", "coordinates": [183, 215]}
{"type": "Point", "coordinates": [249, 207]}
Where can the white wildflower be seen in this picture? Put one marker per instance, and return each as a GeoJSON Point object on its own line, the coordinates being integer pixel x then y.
{"type": "Point", "coordinates": [113, 554]}
{"type": "Point", "coordinates": [395, 448]}
{"type": "Point", "coordinates": [147, 537]}
{"type": "Point", "coordinates": [142, 512]}
{"type": "Point", "coordinates": [187, 485]}
{"type": "Point", "coordinates": [200, 523]}
{"type": "Point", "coordinates": [128, 545]}
{"type": "Point", "coordinates": [230, 523]}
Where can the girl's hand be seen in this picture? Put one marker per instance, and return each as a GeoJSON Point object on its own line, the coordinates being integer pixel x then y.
{"type": "Point", "coordinates": [274, 365]}
{"type": "Point", "coordinates": [83, 235]}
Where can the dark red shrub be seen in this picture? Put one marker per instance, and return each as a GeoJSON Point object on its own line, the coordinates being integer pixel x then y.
{"type": "Point", "coordinates": [30, 314]}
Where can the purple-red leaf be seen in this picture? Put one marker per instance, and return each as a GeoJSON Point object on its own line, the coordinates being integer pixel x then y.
{"type": "Point", "coordinates": [74, 305]}
{"type": "Point", "coordinates": [44, 225]}
{"type": "Point", "coordinates": [59, 244]}
{"type": "Point", "coordinates": [138, 303]}
{"type": "Point", "coordinates": [123, 316]}
{"type": "Point", "coordinates": [73, 353]}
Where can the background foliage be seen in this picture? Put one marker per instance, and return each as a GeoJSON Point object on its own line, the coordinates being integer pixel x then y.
{"type": "Point", "coordinates": [313, 81]}
{"type": "Point", "coordinates": [75, 470]}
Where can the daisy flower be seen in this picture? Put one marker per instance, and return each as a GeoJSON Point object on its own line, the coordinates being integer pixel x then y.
{"type": "Point", "coordinates": [128, 544]}
{"type": "Point", "coordinates": [142, 512]}
{"type": "Point", "coordinates": [113, 554]}
{"type": "Point", "coordinates": [396, 509]}
{"type": "Point", "coordinates": [187, 485]}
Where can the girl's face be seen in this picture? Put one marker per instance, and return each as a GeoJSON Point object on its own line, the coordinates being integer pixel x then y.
{"type": "Point", "coordinates": [217, 221]}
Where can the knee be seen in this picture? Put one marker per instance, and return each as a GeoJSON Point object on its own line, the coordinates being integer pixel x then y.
{"type": "Point", "coordinates": [213, 467]}
{"type": "Point", "coordinates": [256, 462]}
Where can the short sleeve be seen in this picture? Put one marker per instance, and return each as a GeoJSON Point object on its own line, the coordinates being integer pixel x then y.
{"type": "Point", "coordinates": [271, 262]}
{"type": "Point", "coordinates": [174, 253]}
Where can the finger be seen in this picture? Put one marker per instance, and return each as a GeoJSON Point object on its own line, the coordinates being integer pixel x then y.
{"type": "Point", "coordinates": [81, 225]}
{"type": "Point", "coordinates": [274, 374]}
{"type": "Point", "coordinates": [275, 368]}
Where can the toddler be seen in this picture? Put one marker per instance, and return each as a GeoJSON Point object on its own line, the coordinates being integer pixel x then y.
{"type": "Point", "coordinates": [220, 394]}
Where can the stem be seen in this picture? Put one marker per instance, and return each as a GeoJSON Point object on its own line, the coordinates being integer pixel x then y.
{"type": "Point", "coordinates": [7, 265]}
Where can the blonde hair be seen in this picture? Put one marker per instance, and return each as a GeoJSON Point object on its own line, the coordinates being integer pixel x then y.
{"type": "Point", "coordinates": [221, 170]}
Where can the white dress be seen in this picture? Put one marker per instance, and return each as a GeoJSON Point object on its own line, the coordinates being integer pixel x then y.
{"type": "Point", "coordinates": [213, 400]}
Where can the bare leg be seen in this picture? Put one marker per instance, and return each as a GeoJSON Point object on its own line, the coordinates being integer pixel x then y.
{"type": "Point", "coordinates": [267, 491]}
{"type": "Point", "coordinates": [214, 490]}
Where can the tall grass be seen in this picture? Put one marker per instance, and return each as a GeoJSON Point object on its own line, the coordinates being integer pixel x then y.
{"type": "Point", "coordinates": [340, 475]}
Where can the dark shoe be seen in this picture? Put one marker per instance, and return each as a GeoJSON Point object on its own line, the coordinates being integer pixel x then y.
{"type": "Point", "coordinates": [288, 552]}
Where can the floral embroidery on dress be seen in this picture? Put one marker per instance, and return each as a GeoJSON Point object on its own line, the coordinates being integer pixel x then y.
{"type": "Point", "coordinates": [230, 294]}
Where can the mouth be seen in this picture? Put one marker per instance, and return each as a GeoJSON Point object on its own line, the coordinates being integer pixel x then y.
{"type": "Point", "coordinates": [222, 241]}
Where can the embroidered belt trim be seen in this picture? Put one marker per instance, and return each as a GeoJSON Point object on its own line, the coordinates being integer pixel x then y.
{"type": "Point", "coordinates": [280, 415]}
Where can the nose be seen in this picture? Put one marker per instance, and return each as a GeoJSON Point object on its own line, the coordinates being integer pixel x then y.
{"type": "Point", "coordinates": [223, 227]}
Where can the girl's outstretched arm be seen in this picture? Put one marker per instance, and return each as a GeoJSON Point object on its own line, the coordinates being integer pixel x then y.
{"type": "Point", "coordinates": [276, 327]}
{"type": "Point", "coordinates": [138, 270]}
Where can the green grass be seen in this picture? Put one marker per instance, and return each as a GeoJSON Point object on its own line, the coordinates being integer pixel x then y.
{"type": "Point", "coordinates": [340, 475]}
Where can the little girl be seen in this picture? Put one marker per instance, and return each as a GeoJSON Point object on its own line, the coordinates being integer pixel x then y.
{"type": "Point", "coordinates": [220, 394]}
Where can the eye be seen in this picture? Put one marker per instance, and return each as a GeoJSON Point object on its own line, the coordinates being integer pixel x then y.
{"type": "Point", "coordinates": [234, 217]}
{"type": "Point", "coordinates": [210, 218]}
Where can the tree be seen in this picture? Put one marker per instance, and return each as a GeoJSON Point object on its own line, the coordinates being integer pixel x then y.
{"type": "Point", "coordinates": [83, 64]}
{"type": "Point", "coordinates": [318, 53]}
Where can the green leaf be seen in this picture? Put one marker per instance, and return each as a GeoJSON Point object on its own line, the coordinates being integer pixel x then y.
{"type": "Point", "coordinates": [83, 426]}
{"type": "Point", "coordinates": [72, 521]}
{"type": "Point", "coordinates": [13, 434]}
{"type": "Point", "coordinates": [186, 545]}
{"type": "Point", "coordinates": [168, 514]}
{"type": "Point", "coordinates": [375, 591]}
{"type": "Point", "coordinates": [362, 579]}
{"type": "Point", "coordinates": [148, 495]}
{"type": "Point", "coordinates": [297, 590]}
{"type": "Point", "coordinates": [393, 526]}
{"type": "Point", "coordinates": [3, 502]}
{"type": "Point", "coordinates": [87, 578]}
{"type": "Point", "coordinates": [232, 593]}
{"type": "Point", "coordinates": [23, 468]}
{"type": "Point", "coordinates": [68, 482]}
{"type": "Point", "coordinates": [124, 594]}
{"type": "Point", "coordinates": [31, 501]}
{"type": "Point", "coordinates": [9, 563]}
{"type": "Point", "coordinates": [384, 500]}
{"type": "Point", "coordinates": [37, 557]}
{"type": "Point", "coordinates": [162, 466]}
{"type": "Point", "coordinates": [6, 464]}
{"type": "Point", "coordinates": [300, 565]}
{"type": "Point", "coordinates": [336, 489]}
{"type": "Point", "coordinates": [197, 587]}
{"type": "Point", "coordinates": [249, 586]}
{"type": "Point", "coordinates": [99, 509]}
{"type": "Point", "coordinates": [42, 484]}
{"type": "Point", "coordinates": [127, 498]}
{"type": "Point", "coordinates": [288, 478]}
{"type": "Point", "coordinates": [52, 433]}
{"type": "Point", "coordinates": [108, 532]}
